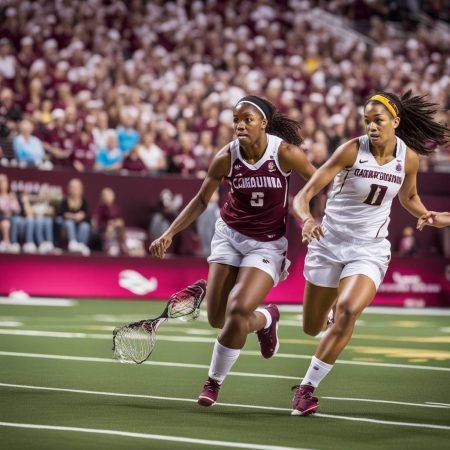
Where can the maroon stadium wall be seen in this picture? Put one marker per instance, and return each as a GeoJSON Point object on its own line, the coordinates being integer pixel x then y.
{"type": "Point", "coordinates": [416, 281]}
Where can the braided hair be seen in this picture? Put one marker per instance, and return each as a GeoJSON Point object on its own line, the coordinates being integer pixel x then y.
{"type": "Point", "coordinates": [278, 124]}
{"type": "Point", "coordinates": [417, 128]}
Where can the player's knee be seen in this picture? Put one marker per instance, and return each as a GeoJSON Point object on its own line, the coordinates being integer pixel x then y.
{"type": "Point", "coordinates": [346, 313]}
{"type": "Point", "coordinates": [215, 321]}
{"type": "Point", "coordinates": [238, 312]}
{"type": "Point", "coordinates": [311, 329]}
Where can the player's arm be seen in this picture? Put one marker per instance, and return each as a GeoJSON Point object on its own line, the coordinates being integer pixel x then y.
{"type": "Point", "coordinates": [293, 158]}
{"type": "Point", "coordinates": [434, 219]}
{"type": "Point", "coordinates": [408, 196]}
{"type": "Point", "coordinates": [220, 166]}
{"type": "Point", "coordinates": [410, 200]}
{"type": "Point", "coordinates": [344, 156]}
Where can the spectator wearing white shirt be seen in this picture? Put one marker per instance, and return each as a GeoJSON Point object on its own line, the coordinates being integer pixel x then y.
{"type": "Point", "coordinates": [8, 63]}
{"type": "Point", "coordinates": [100, 131]}
{"type": "Point", "coordinates": [153, 156]}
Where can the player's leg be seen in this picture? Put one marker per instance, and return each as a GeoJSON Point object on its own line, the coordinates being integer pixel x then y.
{"type": "Point", "coordinates": [221, 279]}
{"type": "Point", "coordinates": [251, 287]}
{"type": "Point", "coordinates": [317, 302]}
{"type": "Point", "coordinates": [354, 294]}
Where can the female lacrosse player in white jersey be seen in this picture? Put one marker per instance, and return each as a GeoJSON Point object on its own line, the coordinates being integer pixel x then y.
{"type": "Point", "coordinates": [348, 254]}
{"type": "Point", "coordinates": [248, 250]}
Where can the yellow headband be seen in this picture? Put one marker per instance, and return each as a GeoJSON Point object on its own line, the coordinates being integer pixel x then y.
{"type": "Point", "coordinates": [391, 107]}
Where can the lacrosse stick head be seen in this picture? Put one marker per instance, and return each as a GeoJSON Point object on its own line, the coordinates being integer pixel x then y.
{"type": "Point", "coordinates": [135, 342]}
{"type": "Point", "coordinates": [185, 304]}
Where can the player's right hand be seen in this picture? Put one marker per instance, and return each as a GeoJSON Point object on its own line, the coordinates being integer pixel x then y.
{"type": "Point", "coordinates": [159, 246]}
{"type": "Point", "coordinates": [311, 230]}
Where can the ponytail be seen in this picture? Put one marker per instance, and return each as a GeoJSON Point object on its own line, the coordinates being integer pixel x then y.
{"type": "Point", "coordinates": [417, 128]}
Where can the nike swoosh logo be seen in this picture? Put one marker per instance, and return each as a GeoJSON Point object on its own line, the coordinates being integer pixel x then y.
{"type": "Point", "coordinates": [362, 162]}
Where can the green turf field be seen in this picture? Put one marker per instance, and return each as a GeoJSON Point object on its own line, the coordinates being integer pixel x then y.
{"type": "Point", "coordinates": [60, 388]}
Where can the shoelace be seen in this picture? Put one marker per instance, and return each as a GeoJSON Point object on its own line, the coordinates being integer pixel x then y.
{"type": "Point", "coordinates": [211, 385]}
{"type": "Point", "coordinates": [306, 394]}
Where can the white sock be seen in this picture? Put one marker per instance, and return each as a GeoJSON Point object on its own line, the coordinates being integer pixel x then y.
{"type": "Point", "coordinates": [267, 315]}
{"type": "Point", "coordinates": [222, 361]}
{"type": "Point", "coordinates": [317, 371]}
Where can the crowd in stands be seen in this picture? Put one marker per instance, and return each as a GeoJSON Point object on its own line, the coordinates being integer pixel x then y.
{"type": "Point", "coordinates": [148, 87]}
{"type": "Point", "coordinates": [140, 87]}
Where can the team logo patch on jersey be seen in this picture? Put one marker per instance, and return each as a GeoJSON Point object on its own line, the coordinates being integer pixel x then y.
{"type": "Point", "coordinates": [237, 166]}
{"type": "Point", "coordinates": [271, 166]}
{"type": "Point", "coordinates": [398, 167]}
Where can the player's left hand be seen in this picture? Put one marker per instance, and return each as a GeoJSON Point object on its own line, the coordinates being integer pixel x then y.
{"type": "Point", "coordinates": [311, 230]}
{"type": "Point", "coordinates": [431, 218]}
{"type": "Point", "coordinates": [159, 246]}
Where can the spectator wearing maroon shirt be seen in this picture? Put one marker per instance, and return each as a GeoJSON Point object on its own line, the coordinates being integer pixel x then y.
{"type": "Point", "coordinates": [84, 153]}
{"type": "Point", "coordinates": [57, 141]}
{"type": "Point", "coordinates": [108, 222]}
{"type": "Point", "coordinates": [133, 162]}
{"type": "Point", "coordinates": [26, 56]}
{"type": "Point", "coordinates": [184, 160]}
{"type": "Point", "coordinates": [204, 151]}
{"type": "Point", "coordinates": [64, 96]}
{"type": "Point", "coordinates": [165, 140]}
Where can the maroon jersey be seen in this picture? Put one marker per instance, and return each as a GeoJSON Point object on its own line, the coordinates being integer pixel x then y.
{"type": "Point", "coordinates": [257, 203]}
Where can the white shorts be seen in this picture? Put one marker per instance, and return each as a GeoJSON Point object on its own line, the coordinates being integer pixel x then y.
{"type": "Point", "coordinates": [335, 257]}
{"type": "Point", "coordinates": [235, 249]}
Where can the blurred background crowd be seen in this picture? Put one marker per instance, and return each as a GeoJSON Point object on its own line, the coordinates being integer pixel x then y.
{"type": "Point", "coordinates": [147, 87]}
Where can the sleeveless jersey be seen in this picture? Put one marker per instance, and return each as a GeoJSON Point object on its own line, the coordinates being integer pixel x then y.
{"type": "Point", "coordinates": [359, 203]}
{"type": "Point", "coordinates": [257, 203]}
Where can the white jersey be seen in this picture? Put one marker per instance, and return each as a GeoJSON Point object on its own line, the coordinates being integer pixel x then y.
{"type": "Point", "coordinates": [359, 203]}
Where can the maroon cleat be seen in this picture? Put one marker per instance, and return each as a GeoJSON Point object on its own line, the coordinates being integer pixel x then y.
{"type": "Point", "coordinates": [210, 392]}
{"type": "Point", "coordinates": [268, 337]}
{"type": "Point", "coordinates": [303, 402]}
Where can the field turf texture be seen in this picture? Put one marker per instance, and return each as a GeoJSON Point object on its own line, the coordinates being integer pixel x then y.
{"type": "Point", "coordinates": [61, 389]}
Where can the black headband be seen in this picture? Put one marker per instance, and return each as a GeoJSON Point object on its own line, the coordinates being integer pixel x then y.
{"type": "Point", "coordinates": [259, 104]}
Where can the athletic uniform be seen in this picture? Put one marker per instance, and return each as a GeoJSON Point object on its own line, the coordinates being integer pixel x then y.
{"type": "Point", "coordinates": [356, 220]}
{"type": "Point", "coordinates": [250, 231]}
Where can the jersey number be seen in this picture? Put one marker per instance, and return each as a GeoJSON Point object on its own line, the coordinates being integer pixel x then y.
{"type": "Point", "coordinates": [376, 194]}
{"type": "Point", "coordinates": [257, 199]}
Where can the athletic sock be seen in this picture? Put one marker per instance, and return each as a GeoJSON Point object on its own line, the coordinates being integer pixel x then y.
{"type": "Point", "coordinates": [222, 361]}
{"type": "Point", "coordinates": [266, 314]}
{"type": "Point", "coordinates": [317, 371]}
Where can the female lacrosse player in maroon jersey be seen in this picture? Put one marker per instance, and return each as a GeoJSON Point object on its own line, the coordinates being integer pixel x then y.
{"type": "Point", "coordinates": [348, 255]}
{"type": "Point", "coordinates": [248, 250]}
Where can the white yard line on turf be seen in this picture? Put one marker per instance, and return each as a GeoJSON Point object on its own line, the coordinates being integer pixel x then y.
{"type": "Point", "coordinates": [148, 363]}
{"type": "Point", "coordinates": [387, 402]}
{"type": "Point", "coordinates": [155, 437]}
{"type": "Point", "coordinates": [383, 310]}
{"type": "Point", "coordinates": [238, 405]}
{"type": "Point", "coordinates": [195, 339]}
{"type": "Point", "coordinates": [353, 363]}
{"type": "Point", "coordinates": [441, 405]}
{"type": "Point", "coordinates": [232, 405]}
{"type": "Point", "coordinates": [41, 301]}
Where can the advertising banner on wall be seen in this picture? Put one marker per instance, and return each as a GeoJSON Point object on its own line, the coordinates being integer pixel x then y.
{"type": "Point", "coordinates": [409, 282]}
